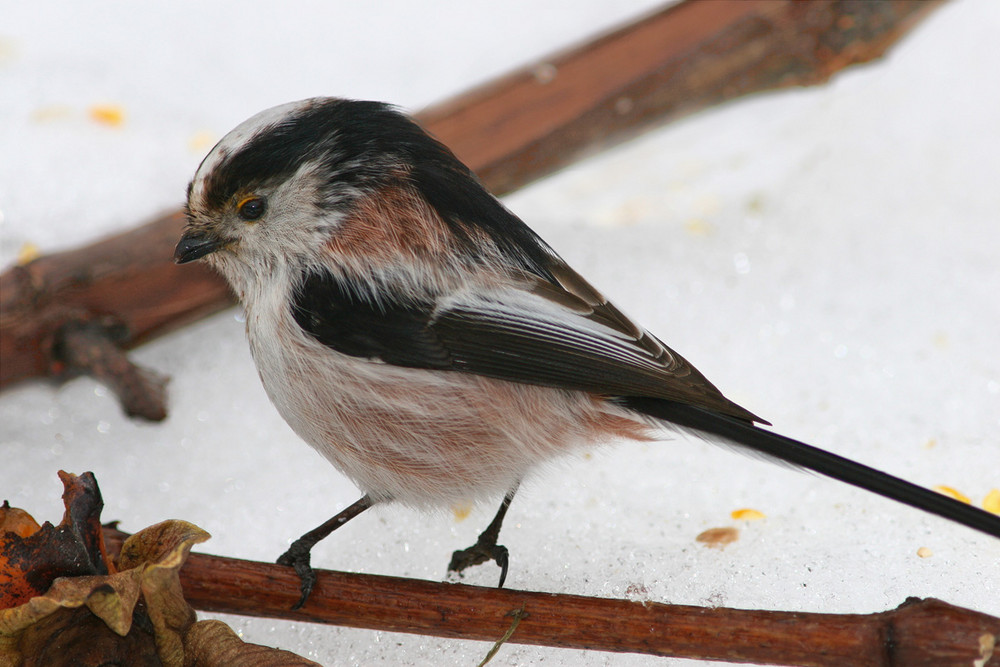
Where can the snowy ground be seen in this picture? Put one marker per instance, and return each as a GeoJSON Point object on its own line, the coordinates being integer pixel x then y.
{"type": "Point", "coordinates": [828, 257]}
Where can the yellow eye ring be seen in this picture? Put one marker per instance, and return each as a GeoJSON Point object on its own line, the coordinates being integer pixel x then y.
{"type": "Point", "coordinates": [251, 208]}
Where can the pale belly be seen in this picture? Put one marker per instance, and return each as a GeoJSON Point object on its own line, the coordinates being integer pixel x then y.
{"type": "Point", "coordinates": [429, 437]}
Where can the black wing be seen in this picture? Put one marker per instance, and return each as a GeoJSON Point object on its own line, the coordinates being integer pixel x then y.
{"type": "Point", "coordinates": [564, 336]}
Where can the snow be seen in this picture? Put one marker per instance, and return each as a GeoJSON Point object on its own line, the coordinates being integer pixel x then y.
{"type": "Point", "coordinates": [826, 256]}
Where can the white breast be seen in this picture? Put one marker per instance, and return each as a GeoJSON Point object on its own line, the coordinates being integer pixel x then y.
{"type": "Point", "coordinates": [417, 436]}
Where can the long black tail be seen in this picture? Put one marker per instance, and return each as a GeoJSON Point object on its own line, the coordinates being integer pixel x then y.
{"type": "Point", "coordinates": [800, 454]}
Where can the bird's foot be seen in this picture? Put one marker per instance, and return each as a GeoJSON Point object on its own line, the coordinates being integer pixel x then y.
{"type": "Point", "coordinates": [298, 557]}
{"type": "Point", "coordinates": [485, 549]}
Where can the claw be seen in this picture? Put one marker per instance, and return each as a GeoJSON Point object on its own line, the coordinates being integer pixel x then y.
{"type": "Point", "coordinates": [482, 551]}
{"type": "Point", "coordinates": [486, 547]}
{"type": "Point", "coordinates": [298, 557]}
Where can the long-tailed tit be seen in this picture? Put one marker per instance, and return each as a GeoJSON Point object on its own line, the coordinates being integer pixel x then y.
{"type": "Point", "coordinates": [424, 339]}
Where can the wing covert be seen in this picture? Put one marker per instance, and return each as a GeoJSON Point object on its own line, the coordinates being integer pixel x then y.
{"type": "Point", "coordinates": [537, 334]}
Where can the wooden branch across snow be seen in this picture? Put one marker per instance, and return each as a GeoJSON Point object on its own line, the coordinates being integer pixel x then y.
{"type": "Point", "coordinates": [511, 131]}
{"type": "Point", "coordinates": [920, 632]}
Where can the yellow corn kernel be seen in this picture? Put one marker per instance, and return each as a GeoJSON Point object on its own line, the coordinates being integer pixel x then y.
{"type": "Point", "coordinates": [107, 114]}
{"type": "Point", "coordinates": [991, 503]}
{"type": "Point", "coordinates": [954, 493]}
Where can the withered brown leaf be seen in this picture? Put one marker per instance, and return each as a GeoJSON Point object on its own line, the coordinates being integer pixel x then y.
{"type": "Point", "coordinates": [132, 614]}
{"type": "Point", "coordinates": [30, 560]}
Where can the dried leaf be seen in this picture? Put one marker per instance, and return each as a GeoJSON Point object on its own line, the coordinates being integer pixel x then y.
{"type": "Point", "coordinates": [30, 563]}
{"type": "Point", "coordinates": [136, 615]}
{"type": "Point", "coordinates": [159, 552]}
{"type": "Point", "coordinates": [17, 522]}
{"type": "Point", "coordinates": [214, 644]}
{"type": "Point", "coordinates": [88, 618]}
{"type": "Point", "coordinates": [77, 638]}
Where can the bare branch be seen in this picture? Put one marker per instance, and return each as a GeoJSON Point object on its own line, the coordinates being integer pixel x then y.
{"type": "Point", "coordinates": [512, 131]}
{"type": "Point", "coordinates": [917, 633]}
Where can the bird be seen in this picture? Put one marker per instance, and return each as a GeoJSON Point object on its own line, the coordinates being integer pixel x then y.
{"type": "Point", "coordinates": [426, 341]}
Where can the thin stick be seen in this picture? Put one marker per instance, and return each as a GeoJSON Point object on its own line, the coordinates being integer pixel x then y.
{"type": "Point", "coordinates": [918, 632]}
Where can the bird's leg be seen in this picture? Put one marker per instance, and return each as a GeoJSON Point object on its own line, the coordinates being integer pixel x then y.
{"type": "Point", "coordinates": [297, 555]}
{"type": "Point", "coordinates": [486, 547]}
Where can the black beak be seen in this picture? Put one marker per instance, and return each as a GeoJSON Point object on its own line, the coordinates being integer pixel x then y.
{"type": "Point", "coordinates": [195, 246]}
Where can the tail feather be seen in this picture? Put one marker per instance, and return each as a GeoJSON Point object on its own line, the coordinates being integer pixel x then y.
{"type": "Point", "coordinates": [799, 454]}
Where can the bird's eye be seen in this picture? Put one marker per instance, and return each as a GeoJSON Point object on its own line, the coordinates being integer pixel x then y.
{"type": "Point", "coordinates": [252, 208]}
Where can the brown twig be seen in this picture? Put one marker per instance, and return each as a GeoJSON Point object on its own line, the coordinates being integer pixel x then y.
{"type": "Point", "coordinates": [511, 131]}
{"type": "Point", "coordinates": [918, 632]}
{"type": "Point", "coordinates": [126, 286]}
{"type": "Point", "coordinates": [90, 347]}
{"type": "Point", "coordinates": [676, 61]}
